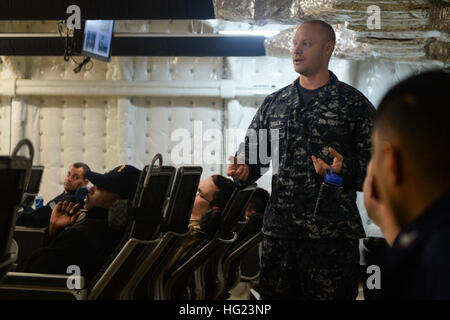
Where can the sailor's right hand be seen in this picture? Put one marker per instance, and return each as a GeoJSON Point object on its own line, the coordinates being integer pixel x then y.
{"type": "Point", "coordinates": [238, 171]}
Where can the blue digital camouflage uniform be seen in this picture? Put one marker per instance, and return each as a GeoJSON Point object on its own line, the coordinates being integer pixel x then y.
{"type": "Point", "coordinates": [338, 116]}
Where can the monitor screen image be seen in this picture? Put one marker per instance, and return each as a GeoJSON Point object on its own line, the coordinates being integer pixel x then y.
{"type": "Point", "coordinates": [97, 39]}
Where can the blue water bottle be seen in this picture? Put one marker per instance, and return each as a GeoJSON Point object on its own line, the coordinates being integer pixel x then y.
{"type": "Point", "coordinates": [329, 197]}
{"type": "Point", "coordinates": [38, 202]}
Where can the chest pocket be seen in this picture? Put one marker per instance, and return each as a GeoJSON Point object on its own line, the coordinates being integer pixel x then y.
{"type": "Point", "coordinates": [278, 129]}
{"type": "Point", "coordinates": [327, 129]}
{"type": "Point", "coordinates": [277, 136]}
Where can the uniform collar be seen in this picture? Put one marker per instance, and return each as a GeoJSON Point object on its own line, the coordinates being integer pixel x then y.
{"type": "Point", "coordinates": [327, 92]}
{"type": "Point", "coordinates": [94, 213]}
{"type": "Point", "coordinates": [436, 215]}
{"type": "Point", "coordinates": [97, 213]}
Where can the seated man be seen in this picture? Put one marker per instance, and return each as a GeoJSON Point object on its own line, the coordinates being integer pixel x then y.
{"type": "Point", "coordinates": [407, 187]}
{"type": "Point", "coordinates": [40, 218]}
{"type": "Point", "coordinates": [213, 193]}
{"type": "Point", "coordinates": [87, 242]}
{"type": "Point", "coordinates": [212, 196]}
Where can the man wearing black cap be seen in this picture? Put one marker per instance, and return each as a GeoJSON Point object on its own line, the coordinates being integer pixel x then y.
{"type": "Point", "coordinates": [84, 242]}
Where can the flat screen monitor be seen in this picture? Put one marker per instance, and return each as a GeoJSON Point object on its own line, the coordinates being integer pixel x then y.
{"type": "Point", "coordinates": [35, 180]}
{"type": "Point", "coordinates": [97, 39]}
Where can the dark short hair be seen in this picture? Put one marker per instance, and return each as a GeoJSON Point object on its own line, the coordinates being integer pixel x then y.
{"type": "Point", "coordinates": [258, 200]}
{"type": "Point", "coordinates": [82, 165]}
{"type": "Point", "coordinates": [327, 28]}
{"type": "Point", "coordinates": [225, 187]}
{"type": "Point", "coordinates": [415, 111]}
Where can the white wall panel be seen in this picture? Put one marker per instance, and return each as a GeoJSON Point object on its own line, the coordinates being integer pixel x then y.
{"type": "Point", "coordinates": [269, 70]}
{"type": "Point", "coordinates": [64, 131]}
{"type": "Point", "coordinates": [111, 134]}
{"type": "Point", "coordinates": [5, 115]}
{"type": "Point", "coordinates": [156, 119]}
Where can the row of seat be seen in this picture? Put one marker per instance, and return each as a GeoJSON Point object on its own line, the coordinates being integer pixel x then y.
{"type": "Point", "coordinates": [15, 171]}
{"type": "Point", "coordinates": [154, 226]}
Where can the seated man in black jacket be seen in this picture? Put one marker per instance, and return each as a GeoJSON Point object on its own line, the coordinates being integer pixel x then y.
{"type": "Point", "coordinates": [40, 218]}
{"type": "Point", "coordinates": [87, 241]}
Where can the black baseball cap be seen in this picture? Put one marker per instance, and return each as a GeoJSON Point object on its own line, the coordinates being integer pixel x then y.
{"type": "Point", "coordinates": [122, 180]}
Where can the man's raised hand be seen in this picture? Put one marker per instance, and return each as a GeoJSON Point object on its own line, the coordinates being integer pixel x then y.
{"type": "Point", "coordinates": [238, 171]}
{"type": "Point", "coordinates": [64, 214]}
{"type": "Point", "coordinates": [322, 167]}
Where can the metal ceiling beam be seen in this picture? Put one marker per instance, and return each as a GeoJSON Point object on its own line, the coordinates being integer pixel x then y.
{"type": "Point", "coordinates": [107, 9]}
{"type": "Point", "coordinates": [193, 46]}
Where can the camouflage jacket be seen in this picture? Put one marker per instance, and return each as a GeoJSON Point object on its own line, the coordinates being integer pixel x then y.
{"type": "Point", "coordinates": [338, 116]}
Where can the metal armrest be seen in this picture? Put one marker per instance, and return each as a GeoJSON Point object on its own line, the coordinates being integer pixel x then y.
{"type": "Point", "coordinates": [22, 285]}
{"type": "Point", "coordinates": [9, 262]}
{"type": "Point", "coordinates": [211, 278]}
{"type": "Point", "coordinates": [155, 257]}
{"type": "Point", "coordinates": [235, 257]}
{"type": "Point", "coordinates": [120, 269]}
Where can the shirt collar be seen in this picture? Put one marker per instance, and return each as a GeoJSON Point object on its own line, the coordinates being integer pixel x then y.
{"type": "Point", "coordinates": [97, 213]}
{"type": "Point", "coordinates": [429, 220]}
{"type": "Point", "coordinates": [325, 93]}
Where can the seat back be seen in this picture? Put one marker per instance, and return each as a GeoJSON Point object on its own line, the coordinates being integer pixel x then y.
{"type": "Point", "coordinates": [240, 226]}
{"type": "Point", "coordinates": [233, 261]}
{"type": "Point", "coordinates": [33, 185]}
{"type": "Point", "coordinates": [176, 230]}
{"type": "Point", "coordinates": [150, 198]}
{"type": "Point", "coordinates": [14, 174]}
{"type": "Point", "coordinates": [250, 264]}
{"type": "Point", "coordinates": [210, 275]}
{"type": "Point", "coordinates": [29, 240]}
{"type": "Point", "coordinates": [176, 280]}
{"type": "Point", "coordinates": [179, 277]}
{"type": "Point", "coordinates": [141, 230]}
{"type": "Point", "coordinates": [210, 278]}
{"type": "Point", "coordinates": [182, 198]}
{"type": "Point", "coordinates": [153, 259]}
{"type": "Point", "coordinates": [235, 210]}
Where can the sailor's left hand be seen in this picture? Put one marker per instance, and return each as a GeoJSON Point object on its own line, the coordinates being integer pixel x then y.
{"type": "Point", "coordinates": [322, 167]}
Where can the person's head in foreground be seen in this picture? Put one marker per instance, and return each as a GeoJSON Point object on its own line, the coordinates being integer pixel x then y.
{"type": "Point", "coordinates": [408, 170]}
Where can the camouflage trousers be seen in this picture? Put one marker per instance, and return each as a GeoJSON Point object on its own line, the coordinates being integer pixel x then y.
{"type": "Point", "coordinates": [309, 269]}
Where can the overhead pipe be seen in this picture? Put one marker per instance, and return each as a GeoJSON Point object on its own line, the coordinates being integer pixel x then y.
{"type": "Point", "coordinates": [226, 89]}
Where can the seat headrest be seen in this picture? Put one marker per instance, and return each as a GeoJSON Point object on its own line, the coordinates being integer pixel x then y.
{"type": "Point", "coordinates": [119, 214]}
